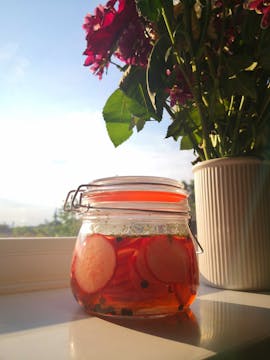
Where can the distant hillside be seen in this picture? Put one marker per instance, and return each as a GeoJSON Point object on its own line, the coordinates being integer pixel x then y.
{"type": "Point", "coordinates": [13, 213]}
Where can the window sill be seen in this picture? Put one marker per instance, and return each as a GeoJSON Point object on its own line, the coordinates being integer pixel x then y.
{"type": "Point", "coordinates": [29, 264]}
{"type": "Point", "coordinates": [224, 325]}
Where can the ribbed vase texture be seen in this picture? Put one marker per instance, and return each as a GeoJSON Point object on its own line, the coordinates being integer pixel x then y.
{"type": "Point", "coordinates": [233, 222]}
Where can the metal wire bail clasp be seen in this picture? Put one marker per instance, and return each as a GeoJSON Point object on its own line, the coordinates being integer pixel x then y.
{"type": "Point", "coordinates": [73, 200]}
{"type": "Point", "coordinates": [199, 248]}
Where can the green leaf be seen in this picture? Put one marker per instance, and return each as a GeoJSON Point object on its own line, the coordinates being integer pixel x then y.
{"type": "Point", "coordinates": [250, 21]}
{"type": "Point", "coordinates": [134, 86]}
{"type": "Point", "coordinates": [186, 144]}
{"type": "Point", "coordinates": [185, 122]}
{"type": "Point", "coordinates": [118, 132]}
{"type": "Point", "coordinates": [174, 130]}
{"type": "Point", "coordinates": [150, 9]}
{"type": "Point", "coordinates": [195, 117]}
{"type": "Point", "coordinates": [117, 107]}
{"type": "Point", "coordinates": [137, 122]}
{"type": "Point", "coordinates": [140, 124]}
{"type": "Point", "coordinates": [121, 113]}
{"type": "Point", "coordinates": [117, 116]}
{"type": "Point", "coordinates": [177, 127]}
{"type": "Point", "coordinates": [245, 85]}
{"type": "Point", "coordinates": [264, 49]}
{"type": "Point", "coordinates": [238, 63]}
{"type": "Point", "coordinates": [264, 58]}
{"type": "Point", "coordinates": [156, 72]}
{"type": "Point", "coordinates": [242, 84]}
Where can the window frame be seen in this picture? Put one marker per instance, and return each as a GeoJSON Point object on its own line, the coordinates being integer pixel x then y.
{"type": "Point", "coordinates": [35, 263]}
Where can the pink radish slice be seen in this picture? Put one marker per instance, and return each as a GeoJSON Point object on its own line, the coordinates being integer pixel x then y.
{"type": "Point", "coordinates": [121, 274]}
{"type": "Point", "coordinates": [141, 268]}
{"type": "Point", "coordinates": [148, 287]}
{"type": "Point", "coordinates": [95, 263]}
{"type": "Point", "coordinates": [167, 259]}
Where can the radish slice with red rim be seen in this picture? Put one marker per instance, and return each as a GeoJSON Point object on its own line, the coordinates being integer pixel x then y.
{"type": "Point", "coordinates": [167, 258]}
{"type": "Point", "coordinates": [141, 268]}
{"type": "Point", "coordinates": [95, 263]}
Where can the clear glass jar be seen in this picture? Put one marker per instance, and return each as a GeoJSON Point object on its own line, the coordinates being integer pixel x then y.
{"type": "Point", "coordinates": [134, 254]}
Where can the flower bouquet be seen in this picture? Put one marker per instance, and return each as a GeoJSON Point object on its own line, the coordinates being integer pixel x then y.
{"type": "Point", "coordinates": [206, 63]}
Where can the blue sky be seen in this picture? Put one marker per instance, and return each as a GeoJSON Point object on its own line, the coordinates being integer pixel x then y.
{"type": "Point", "coordinates": [53, 137]}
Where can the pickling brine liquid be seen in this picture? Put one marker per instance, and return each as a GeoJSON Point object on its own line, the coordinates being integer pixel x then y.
{"type": "Point", "coordinates": [145, 275]}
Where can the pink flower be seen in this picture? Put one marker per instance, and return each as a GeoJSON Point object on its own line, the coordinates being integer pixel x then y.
{"type": "Point", "coordinates": [261, 7]}
{"type": "Point", "coordinates": [133, 46]}
{"type": "Point", "coordinates": [118, 31]}
{"type": "Point", "coordinates": [227, 24]}
{"type": "Point", "coordinates": [179, 93]}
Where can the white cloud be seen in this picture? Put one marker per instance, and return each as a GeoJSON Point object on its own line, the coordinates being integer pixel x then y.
{"type": "Point", "coordinates": [43, 158]}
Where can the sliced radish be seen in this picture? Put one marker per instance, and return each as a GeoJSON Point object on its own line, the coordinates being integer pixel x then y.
{"type": "Point", "coordinates": [95, 263]}
{"type": "Point", "coordinates": [167, 258]}
{"type": "Point", "coordinates": [141, 268]}
{"type": "Point", "coordinates": [147, 286]}
{"type": "Point", "coordinates": [121, 275]}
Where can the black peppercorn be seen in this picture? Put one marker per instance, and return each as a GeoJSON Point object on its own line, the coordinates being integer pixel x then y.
{"type": "Point", "coordinates": [144, 284]}
{"type": "Point", "coordinates": [126, 311]}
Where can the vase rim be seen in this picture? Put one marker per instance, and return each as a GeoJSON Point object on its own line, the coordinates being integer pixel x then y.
{"type": "Point", "coordinates": [229, 161]}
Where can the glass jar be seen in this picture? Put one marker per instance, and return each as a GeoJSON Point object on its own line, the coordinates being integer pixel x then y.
{"type": "Point", "coordinates": [134, 254]}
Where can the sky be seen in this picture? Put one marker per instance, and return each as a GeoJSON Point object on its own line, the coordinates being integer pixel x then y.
{"type": "Point", "coordinates": [53, 136]}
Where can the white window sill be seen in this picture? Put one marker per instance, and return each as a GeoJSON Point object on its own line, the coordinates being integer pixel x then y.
{"type": "Point", "coordinates": [28, 264]}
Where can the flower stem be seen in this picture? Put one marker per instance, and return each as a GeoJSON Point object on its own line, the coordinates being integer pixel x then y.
{"type": "Point", "coordinates": [206, 17]}
{"type": "Point", "coordinates": [196, 88]}
{"type": "Point", "coordinates": [215, 97]}
{"type": "Point", "coordinates": [180, 61]}
{"type": "Point", "coordinates": [236, 127]}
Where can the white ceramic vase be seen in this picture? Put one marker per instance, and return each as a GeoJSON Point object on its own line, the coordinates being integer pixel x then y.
{"type": "Point", "coordinates": [233, 222]}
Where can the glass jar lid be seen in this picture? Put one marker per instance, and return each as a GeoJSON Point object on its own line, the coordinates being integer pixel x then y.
{"type": "Point", "coordinates": [140, 193]}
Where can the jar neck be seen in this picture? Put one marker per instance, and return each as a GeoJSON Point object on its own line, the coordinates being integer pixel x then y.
{"type": "Point", "coordinates": [136, 223]}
